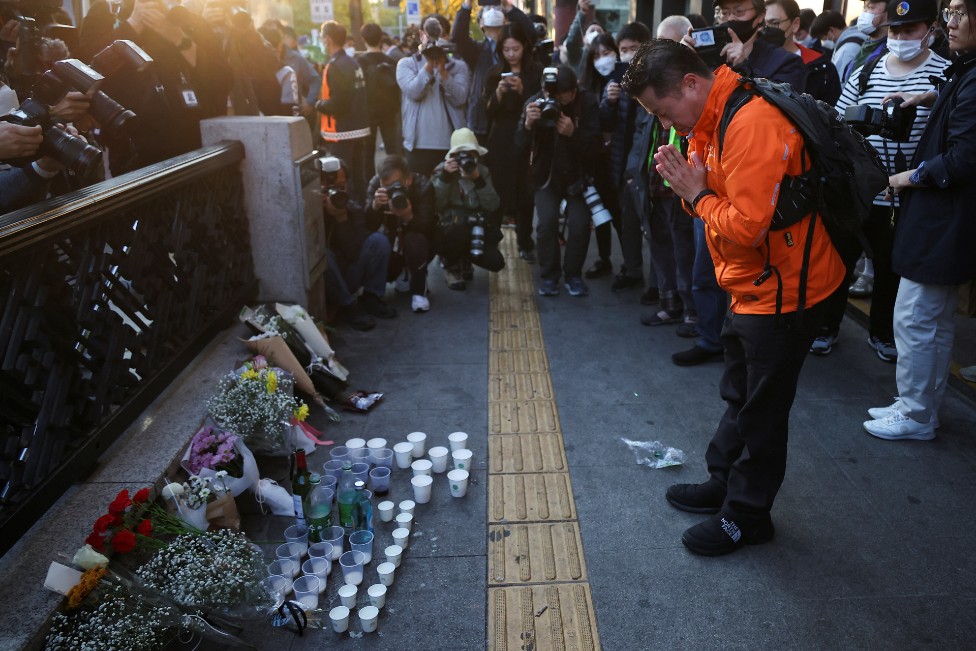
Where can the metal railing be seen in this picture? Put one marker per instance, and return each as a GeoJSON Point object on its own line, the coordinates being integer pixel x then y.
{"type": "Point", "coordinates": [105, 295]}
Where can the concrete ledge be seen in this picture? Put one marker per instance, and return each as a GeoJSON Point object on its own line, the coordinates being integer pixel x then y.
{"type": "Point", "coordinates": [140, 457]}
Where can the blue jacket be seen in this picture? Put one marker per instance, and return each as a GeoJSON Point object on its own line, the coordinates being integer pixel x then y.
{"type": "Point", "coordinates": [20, 187]}
{"type": "Point", "coordinates": [775, 63]}
{"type": "Point", "coordinates": [936, 230]}
{"type": "Point", "coordinates": [619, 120]}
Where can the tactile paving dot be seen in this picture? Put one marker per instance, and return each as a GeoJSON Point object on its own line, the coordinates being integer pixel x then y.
{"type": "Point", "coordinates": [542, 617]}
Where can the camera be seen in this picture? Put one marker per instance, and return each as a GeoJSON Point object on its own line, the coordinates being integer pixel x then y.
{"type": "Point", "coordinates": [477, 222]}
{"type": "Point", "coordinates": [467, 161]}
{"type": "Point", "coordinates": [594, 203]}
{"type": "Point", "coordinates": [891, 121]}
{"type": "Point", "coordinates": [551, 110]}
{"type": "Point", "coordinates": [398, 195]}
{"type": "Point", "coordinates": [709, 42]}
{"type": "Point", "coordinates": [118, 56]}
{"type": "Point", "coordinates": [329, 167]}
{"type": "Point", "coordinates": [71, 151]}
{"type": "Point", "coordinates": [433, 49]}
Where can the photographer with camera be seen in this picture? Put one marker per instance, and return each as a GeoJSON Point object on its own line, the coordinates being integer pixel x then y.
{"type": "Point", "coordinates": [933, 247]}
{"type": "Point", "coordinates": [738, 42]}
{"type": "Point", "coordinates": [467, 208]}
{"type": "Point", "coordinates": [894, 132]}
{"type": "Point", "coordinates": [560, 133]}
{"type": "Point", "coordinates": [434, 88]}
{"type": "Point", "coordinates": [403, 203]}
{"type": "Point", "coordinates": [22, 186]}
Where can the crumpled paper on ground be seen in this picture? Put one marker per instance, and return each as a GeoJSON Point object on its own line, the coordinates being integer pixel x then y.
{"type": "Point", "coordinates": [655, 454]}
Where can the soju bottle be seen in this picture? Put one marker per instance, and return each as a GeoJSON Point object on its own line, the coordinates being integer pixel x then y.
{"type": "Point", "coordinates": [318, 511]}
{"type": "Point", "coordinates": [346, 496]}
{"type": "Point", "coordinates": [301, 484]}
{"type": "Point", "coordinates": [363, 511]}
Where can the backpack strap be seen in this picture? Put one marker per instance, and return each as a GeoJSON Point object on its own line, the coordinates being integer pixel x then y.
{"type": "Point", "coordinates": [866, 70]}
{"type": "Point", "coordinates": [739, 98]}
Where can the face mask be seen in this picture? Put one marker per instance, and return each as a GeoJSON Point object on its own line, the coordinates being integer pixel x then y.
{"type": "Point", "coordinates": [865, 22]}
{"type": "Point", "coordinates": [627, 57]}
{"type": "Point", "coordinates": [604, 65]}
{"type": "Point", "coordinates": [351, 51]}
{"type": "Point", "coordinates": [809, 41]}
{"type": "Point", "coordinates": [907, 50]}
{"type": "Point", "coordinates": [774, 36]}
{"type": "Point", "coordinates": [827, 44]}
{"type": "Point", "coordinates": [590, 37]}
{"type": "Point", "coordinates": [742, 28]}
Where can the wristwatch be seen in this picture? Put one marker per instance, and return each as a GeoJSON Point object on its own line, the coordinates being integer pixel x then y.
{"type": "Point", "coordinates": [701, 195]}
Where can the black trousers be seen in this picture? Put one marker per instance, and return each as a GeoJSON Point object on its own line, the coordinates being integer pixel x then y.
{"type": "Point", "coordinates": [763, 358]}
{"type": "Point", "coordinates": [353, 154]}
{"type": "Point", "coordinates": [453, 245]}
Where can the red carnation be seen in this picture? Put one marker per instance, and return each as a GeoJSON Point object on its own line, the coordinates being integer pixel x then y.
{"type": "Point", "coordinates": [103, 523]}
{"type": "Point", "coordinates": [117, 520]}
{"type": "Point", "coordinates": [96, 541]}
{"type": "Point", "coordinates": [141, 496]}
{"type": "Point", "coordinates": [145, 528]}
{"type": "Point", "coordinates": [120, 503]}
{"type": "Point", "coordinates": [124, 541]}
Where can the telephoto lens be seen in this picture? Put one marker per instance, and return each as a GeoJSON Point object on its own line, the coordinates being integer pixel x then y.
{"type": "Point", "coordinates": [398, 196]}
{"type": "Point", "coordinates": [598, 212]}
{"type": "Point", "coordinates": [477, 222]}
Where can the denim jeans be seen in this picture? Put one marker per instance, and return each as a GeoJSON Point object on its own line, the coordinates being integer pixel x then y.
{"type": "Point", "coordinates": [367, 271]}
{"type": "Point", "coordinates": [710, 300]}
{"type": "Point", "coordinates": [672, 248]}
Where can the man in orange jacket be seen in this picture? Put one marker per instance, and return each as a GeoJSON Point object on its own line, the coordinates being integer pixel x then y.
{"type": "Point", "coordinates": [734, 188]}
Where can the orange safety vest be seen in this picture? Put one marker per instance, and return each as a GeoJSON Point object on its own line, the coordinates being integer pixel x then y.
{"type": "Point", "coordinates": [327, 122]}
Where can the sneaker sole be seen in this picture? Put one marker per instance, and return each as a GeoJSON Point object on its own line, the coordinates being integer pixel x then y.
{"type": "Point", "coordinates": [692, 509]}
{"type": "Point", "coordinates": [915, 436]}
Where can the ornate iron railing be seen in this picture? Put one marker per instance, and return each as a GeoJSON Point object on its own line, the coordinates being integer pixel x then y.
{"type": "Point", "coordinates": [105, 295]}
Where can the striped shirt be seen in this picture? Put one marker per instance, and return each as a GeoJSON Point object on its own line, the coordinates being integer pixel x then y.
{"type": "Point", "coordinates": [896, 156]}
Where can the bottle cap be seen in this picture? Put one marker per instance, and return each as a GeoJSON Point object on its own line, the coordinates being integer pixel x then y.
{"type": "Point", "coordinates": [347, 465]}
{"type": "Point", "coordinates": [314, 478]}
{"type": "Point", "coordinates": [360, 485]}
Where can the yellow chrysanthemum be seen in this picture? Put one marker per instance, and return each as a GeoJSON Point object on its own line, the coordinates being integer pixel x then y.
{"type": "Point", "coordinates": [88, 582]}
{"type": "Point", "coordinates": [249, 374]}
{"type": "Point", "coordinates": [302, 412]}
{"type": "Point", "coordinates": [272, 381]}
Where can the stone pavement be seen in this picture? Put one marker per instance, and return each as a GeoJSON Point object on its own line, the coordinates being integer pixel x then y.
{"type": "Point", "coordinates": [873, 550]}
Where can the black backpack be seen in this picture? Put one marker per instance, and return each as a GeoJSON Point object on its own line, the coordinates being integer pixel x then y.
{"type": "Point", "coordinates": [382, 89]}
{"type": "Point", "coordinates": [845, 171]}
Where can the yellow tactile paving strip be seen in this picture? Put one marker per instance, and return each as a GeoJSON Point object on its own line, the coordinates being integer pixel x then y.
{"type": "Point", "coordinates": [538, 594]}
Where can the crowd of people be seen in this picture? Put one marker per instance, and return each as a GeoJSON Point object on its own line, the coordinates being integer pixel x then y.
{"type": "Point", "coordinates": [649, 138]}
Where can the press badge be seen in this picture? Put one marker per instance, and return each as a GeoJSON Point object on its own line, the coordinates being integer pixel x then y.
{"type": "Point", "coordinates": [187, 93]}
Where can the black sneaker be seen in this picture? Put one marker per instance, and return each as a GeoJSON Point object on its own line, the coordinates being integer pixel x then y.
{"type": "Point", "coordinates": [720, 535]}
{"type": "Point", "coordinates": [707, 497]}
{"type": "Point", "coordinates": [599, 269]}
{"type": "Point", "coordinates": [650, 297]}
{"type": "Point", "coordinates": [623, 281]}
{"type": "Point", "coordinates": [696, 355]}
{"type": "Point", "coordinates": [528, 256]}
{"type": "Point", "coordinates": [375, 306]}
{"type": "Point", "coordinates": [356, 317]}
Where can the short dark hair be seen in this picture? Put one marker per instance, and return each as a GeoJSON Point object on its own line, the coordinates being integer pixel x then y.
{"type": "Point", "coordinates": [372, 34]}
{"type": "Point", "coordinates": [697, 21]}
{"type": "Point", "coordinates": [822, 23]}
{"type": "Point", "coordinates": [392, 164]}
{"type": "Point", "coordinates": [334, 32]}
{"type": "Point", "coordinates": [790, 8]}
{"type": "Point", "coordinates": [271, 34]}
{"type": "Point", "coordinates": [661, 64]}
{"type": "Point", "coordinates": [758, 5]}
{"type": "Point", "coordinates": [807, 16]}
{"type": "Point", "coordinates": [635, 31]}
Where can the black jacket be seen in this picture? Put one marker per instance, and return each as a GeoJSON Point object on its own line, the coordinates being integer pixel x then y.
{"type": "Point", "coordinates": [343, 102]}
{"type": "Point", "coordinates": [775, 63]}
{"type": "Point", "coordinates": [822, 80]}
{"type": "Point", "coordinates": [345, 239]}
{"type": "Point", "coordinates": [421, 195]}
{"type": "Point", "coordinates": [936, 230]}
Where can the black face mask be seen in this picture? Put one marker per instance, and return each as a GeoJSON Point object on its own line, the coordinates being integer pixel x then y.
{"type": "Point", "coordinates": [742, 28]}
{"type": "Point", "coordinates": [773, 36]}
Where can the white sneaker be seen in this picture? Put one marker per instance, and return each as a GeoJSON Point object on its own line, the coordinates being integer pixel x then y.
{"type": "Point", "coordinates": [899, 428]}
{"type": "Point", "coordinates": [419, 303]}
{"type": "Point", "coordinates": [879, 413]}
{"type": "Point", "coordinates": [402, 283]}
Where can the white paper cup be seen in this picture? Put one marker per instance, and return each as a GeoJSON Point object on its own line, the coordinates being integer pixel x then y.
{"type": "Point", "coordinates": [462, 459]}
{"type": "Point", "coordinates": [340, 618]}
{"type": "Point", "coordinates": [407, 506]}
{"type": "Point", "coordinates": [347, 595]}
{"type": "Point", "coordinates": [421, 488]}
{"type": "Point", "coordinates": [458, 441]}
{"type": "Point", "coordinates": [368, 618]}
{"type": "Point", "coordinates": [438, 458]}
{"type": "Point", "coordinates": [356, 444]}
{"type": "Point", "coordinates": [404, 454]}
{"type": "Point", "coordinates": [307, 591]}
{"type": "Point", "coordinates": [459, 482]}
{"type": "Point", "coordinates": [419, 441]}
{"type": "Point", "coordinates": [377, 595]}
{"type": "Point", "coordinates": [394, 553]}
{"type": "Point", "coordinates": [405, 521]}
{"type": "Point", "coordinates": [386, 571]}
{"type": "Point", "coordinates": [421, 467]}
{"type": "Point", "coordinates": [401, 537]}
{"type": "Point", "coordinates": [386, 511]}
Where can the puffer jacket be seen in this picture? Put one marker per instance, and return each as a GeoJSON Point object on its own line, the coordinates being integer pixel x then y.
{"type": "Point", "coordinates": [417, 86]}
{"type": "Point", "coordinates": [343, 108]}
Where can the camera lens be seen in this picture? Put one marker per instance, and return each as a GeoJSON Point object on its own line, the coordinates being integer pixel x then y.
{"type": "Point", "coordinates": [72, 152]}
{"type": "Point", "coordinates": [339, 198]}
{"type": "Point", "coordinates": [109, 114]}
{"type": "Point", "coordinates": [477, 240]}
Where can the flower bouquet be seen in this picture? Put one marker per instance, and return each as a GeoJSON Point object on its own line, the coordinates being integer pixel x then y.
{"type": "Point", "coordinates": [124, 526]}
{"type": "Point", "coordinates": [190, 499]}
{"type": "Point", "coordinates": [214, 450]}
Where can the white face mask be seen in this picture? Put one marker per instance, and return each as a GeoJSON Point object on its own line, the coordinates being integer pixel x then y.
{"type": "Point", "coordinates": [351, 51]}
{"type": "Point", "coordinates": [605, 64]}
{"type": "Point", "coordinates": [627, 57]}
{"type": "Point", "coordinates": [907, 50]}
{"type": "Point", "coordinates": [865, 22]}
{"type": "Point", "coordinates": [827, 44]}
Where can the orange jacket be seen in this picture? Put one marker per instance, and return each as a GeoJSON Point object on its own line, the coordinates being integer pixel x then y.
{"type": "Point", "coordinates": [760, 147]}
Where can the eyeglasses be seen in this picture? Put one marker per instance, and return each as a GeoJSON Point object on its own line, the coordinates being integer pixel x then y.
{"type": "Point", "coordinates": [738, 14]}
{"type": "Point", "coordinates": [948, 15]}
{"type": "Point", "coordinates": [772, 22]}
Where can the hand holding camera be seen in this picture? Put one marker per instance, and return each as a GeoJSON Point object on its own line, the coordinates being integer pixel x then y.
{"type": "Point", "coordinates": [72, 108]}
{"type": "Point", "coordinates": [148, 13]}
{"type": "Point", "coordinates": [565, 126]}
{"type": "Point", "coordinates": [18, 141]}
{"type": "Point", "coordinates": [532, 114]}
{"type": "Point", "coordinates": [613, 92]}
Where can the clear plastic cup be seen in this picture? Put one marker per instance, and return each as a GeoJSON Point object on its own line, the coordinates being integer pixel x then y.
{"type": "Point", "coordinates": [362, 541]}
{"type": "Point", "coordinates": [362, 455]}
{"type": "Point", "coordinates": [404, 454]}
{"type": "Point", "coordinates": [439, 457]}
{"type": "Point", "coordinates": [278, 585]}
{"type": "Point", "coordinates": [290, 550]}
{"type": "Point", "coordinates": [321, 550]}
{"type": "Point", "coordinates": [352, 567]}
{"type": "Point", "coordinates": [379, 480]}
{"type": "Point", "coordinates": [386, 511]}
{"type": "Point", "coordinates": [459, 482]}
{"type": "Point", "coordinates": [319, 568]}
{"type": "Point", "coordinates": [284, 567]}
{"type": "Point", "coordinates": [333, 536]}
{"type": "Point", "coordinates": [407, 506]}
{"type": "Point", "coordinates": [419, 442]}
{"type": "Point", "coordinates": [457, 440]}
{"type": "Point", "coordinates": [383, 458]}
{"type": "Point", "coordinates": [377, 595]}
{"type": "Point", "coordinates": [356, 444]}
{"type": "Point", "coordinates": [421, 467]}
{"type": "Point", "coordinates": [386, 572]}
{"type": "Point", "coordinates": [394, 553]}
{"type": "Point", "coordinates": [405, 521]}
{"type": "Point", "coordinates": [462, 459]}
{"type": "Point", "coordinates": [360, 471]}
{"type": "Point", "coordinates": [340, 619]}
{"type": "Point", "coordinates": [307, 591]}
{"type": "Point", "coordinates": [331, 468]}
{"type": "Point", "coordinates": [339, 453]}
{"type": "Point", "coordinates": [401, 537]}
{"type": "Point", "coordinates": [369, 618]}
{"type": "Point", "coordinates": [298, 533]}
{"type": "Point", "coordinates": [347, 595]}
{"type": "Point", "coordinates": [329, 482]}
{"type": "Point", "coordinates": [421, 488]}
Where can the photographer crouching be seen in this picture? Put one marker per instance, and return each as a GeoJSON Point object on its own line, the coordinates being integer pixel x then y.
{"type": "Point", "coordinates": [560, 131]}
{"type": "Point", "coordinates": [467, 205]}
